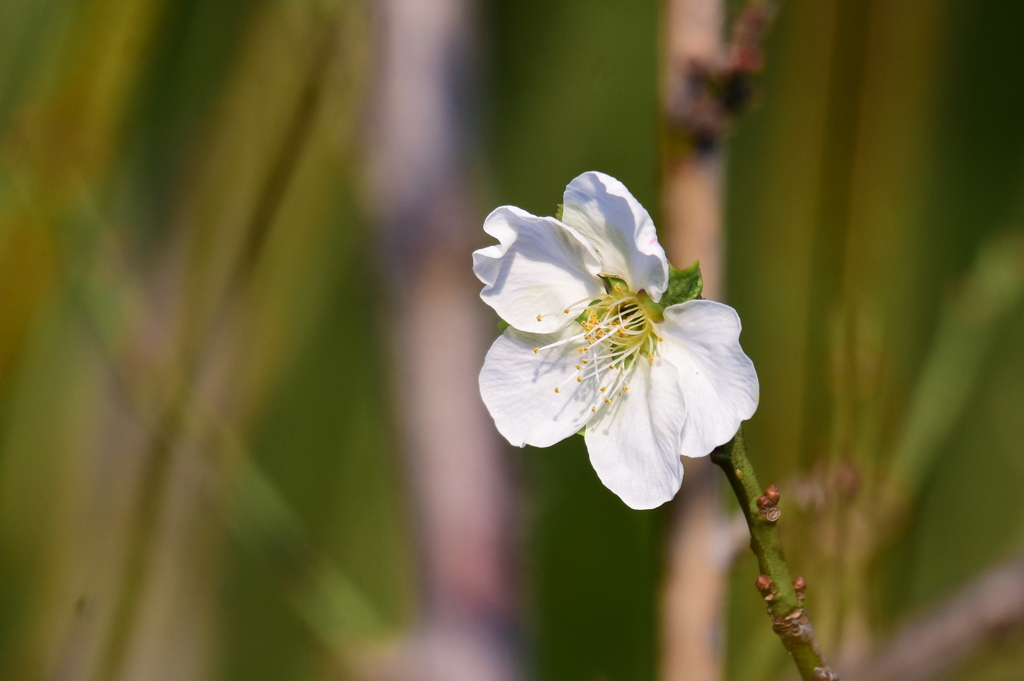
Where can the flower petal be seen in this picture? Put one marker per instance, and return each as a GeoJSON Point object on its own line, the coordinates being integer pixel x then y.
{"type": "Point", "coordinates": [700, 358]}
{"type": "Point", "coordinates": [539, 268]}
{"type": "Point", "coordinates": [518, 387]}
{"type": "Point", "coordinates": [629, 448]}
{"type": "Point", "coordinates": [619, 230]}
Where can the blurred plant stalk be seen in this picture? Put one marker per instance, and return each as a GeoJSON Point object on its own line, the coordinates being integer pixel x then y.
{"type": "Point", "coordinates": [422, 193]}
{"type": "Point", "coordinates": [877, 117]}
{"type": "Point", "coordinates": [51, 182]}
{"type": "Point", "coordinates": [692, 625]}
{"type": "Point", "coordinates": [987, 609]}
{"type": "Point", "coordinates": [941, 637]}
{"type": "Point", "coordinates": [704, 85]}
{"type": "Point", "coordinates": [58, 148]}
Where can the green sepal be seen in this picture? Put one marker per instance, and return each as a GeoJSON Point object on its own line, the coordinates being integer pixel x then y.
{"type": "Point", "coordinates": [683, 285]}
{"type": "Point", "coordinates": [613, 284]}
{"type": "Point", "coordinates": [582, 431]}
{"type": "Point", "coordinates": [502, 325]}
{"type": "Point", "coordinates": [558, 212]}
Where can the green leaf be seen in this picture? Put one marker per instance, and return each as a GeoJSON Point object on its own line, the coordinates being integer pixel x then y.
{"type": "Point", "coordinates": [683, 285]}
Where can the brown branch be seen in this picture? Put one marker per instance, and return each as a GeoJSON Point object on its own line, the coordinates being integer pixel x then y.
{"type": "Point", "coordinates": [985, 609]}
{"type": "Point", "coordinates": [710, 89]}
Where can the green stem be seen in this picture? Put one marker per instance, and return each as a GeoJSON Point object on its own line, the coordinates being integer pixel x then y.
{"type": "Point", "coordinates": [789, 619]}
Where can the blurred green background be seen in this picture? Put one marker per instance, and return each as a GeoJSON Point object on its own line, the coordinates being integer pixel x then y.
{"type": "Point", "coordinates": [208, 467]}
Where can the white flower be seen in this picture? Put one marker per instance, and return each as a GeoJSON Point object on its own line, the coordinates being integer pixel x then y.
{"type": "Point", "coordinates": [590, 346]}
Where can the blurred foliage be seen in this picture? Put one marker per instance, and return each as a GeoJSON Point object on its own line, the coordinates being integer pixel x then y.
{"type": "Point", "coordinates": [877, 186]}
{"type": "Point", "coordinates": [180, 237]}
{"type": "Point", "coordinates": [197, 442]}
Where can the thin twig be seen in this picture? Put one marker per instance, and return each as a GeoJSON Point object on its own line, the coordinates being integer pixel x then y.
{"type": "Point", "coordinates": [789, 619]}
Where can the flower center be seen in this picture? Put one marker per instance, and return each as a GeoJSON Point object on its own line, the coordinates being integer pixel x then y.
{"type": "Point", "coordinates": [618, 330]}
{"type": "Point", "coordinates": [621, 328]}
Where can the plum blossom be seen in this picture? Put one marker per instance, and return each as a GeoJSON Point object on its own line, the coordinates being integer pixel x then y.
{"type": "Point", "coordinates": [604, 335]}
